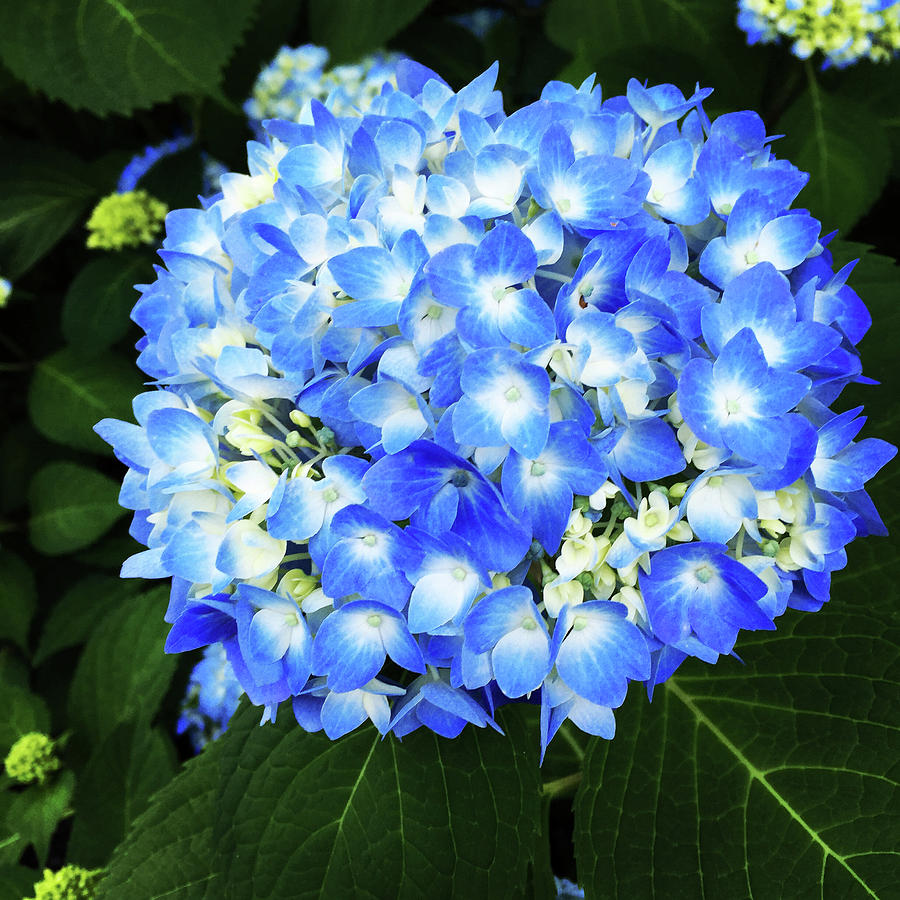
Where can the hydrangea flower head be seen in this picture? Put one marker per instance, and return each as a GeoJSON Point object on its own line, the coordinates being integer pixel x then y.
{"type": "Point", "coordinates": [32, 758]}
{"type": "Point", "coordinates": [126, 219]}
{"type": "Point", "coordinates": [843, 31]}
{"type": "Point", "coordinates": [212, 696]}
{"type": "Point", "coordinates": [5, 291]}
{"type": "Point", "coordinates": [297, 75]}
{"type": "Point", "coordinates": [455, 408]}
{"type": "Point", "coordinates": [68, 883]}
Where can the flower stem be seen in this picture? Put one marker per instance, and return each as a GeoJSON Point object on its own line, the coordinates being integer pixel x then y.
{"type": "Point", "coordinates": [562, 787]}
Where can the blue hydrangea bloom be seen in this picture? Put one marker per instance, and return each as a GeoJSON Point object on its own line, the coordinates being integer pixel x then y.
{"type": "Point", "coordinates": [454, 408]}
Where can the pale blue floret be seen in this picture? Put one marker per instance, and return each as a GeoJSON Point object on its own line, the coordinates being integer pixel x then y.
{"type": "Point", "coordinates": [761, 299]}
{"type": "Point", "coordinates": [351, 645]}
{"type": "Point", "coordinates": [339, 712]}
{"type": "Point", "coordinates": [662, 103]}
{"type": "Point", "coordinates": [507, 623]}
{"type": "Point", "coordinates": [757, 233]}
{"type": "Point", "coordinates": [365, 557]}
{"type": "Point", "coordinates": [540, 489]}
{"type": "Point", "coordinates": [505, 401]}
{"type": "Point", "coordinates": [842, 464]}
{"type": "Point", "coordinates": [739, 402]}
{"type": "Point", "coordinates": [440, 492]}
{"type": "Point", "coordinates": [301, 508]}
{"type": "Point", "coordinates": [274, 638]}
{"type": "Point", "coordinates": [399, 411]}
{"type": "Point", "coordinates": [482, 283]}
{"type": "Point", "coordinates": [444, 709]}
{"type": "Point", "coordinates": [597, 651]}
{"type": "Point", "coordinates": [696, 589]}
{"type": "Point", "coordinates": [446, 577]}
{"type": "Point", "coordinates": [718, 503]}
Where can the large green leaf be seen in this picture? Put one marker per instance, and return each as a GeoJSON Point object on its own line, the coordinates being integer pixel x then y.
{"type": "Point", "coordinates": [95, 311]}
{"type": "Point", "coordinates": [778, 778]}
{"type": "Point", "coordinates": [623, 40]}
{"type": "Point", "coordinates": [298, 815]}
{"type": "Point", "coordinates": [130, 764]}
{"type": "Point", "coordinates": [351, 28]}
{"type": "Point", "coordinates": [18, 598]}
{"type": "Point", "coordinates": [364, 817]}
{"type": "Point", "coordinates": [35, 812]}
{"type": "Point", "coordinates": [119, 55]}
{"type": "Point", "coordinates": [70, 393]}
{"type": "Point", "coordinates": [123, 672]}
{"type": "Point", "coordinates": [169, 850]}
{"type": "Point", "coordinates": [71, 506]}
{"type": "Point", "coordinates": [79, 611]}
{"type": "Point", "coordinates": [843, 146]}
{"type": "Point", "coordinates": [22, 712]}
{"type": "Point", "coordinates": [44, 190]}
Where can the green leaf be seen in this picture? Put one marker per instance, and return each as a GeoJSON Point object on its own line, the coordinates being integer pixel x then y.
{"type": "Point", "coordinates": [71, 506]}
{"type": "Point", "coordinates": [69, 394]}
{"type": "Point", "coordinates": [119, 55]}
{"type": "Point", "coordinates": [169, 851]}
{"type": "Point", "coordinates": [425, 817]}
{"type": "Point", "coordinates": [18, 598]}
{"type": "Point", "coordinates": [298, 815]}
{"type": "Point", "coordinates": [619, 41]}
{"type": "Point", "coordinates": [22, 712]}
{"type": "Point", "coordinates": [79, 611]}
{"type": "Point", "coordinates": [45, 191]}
{"type": "Point", "coordinates": [115, 786]}
{"type": "Point", "coordinates": [845, 150]}
{"type": "Point", "coordinates": [123, 672]}
{"type": "Point", "coordinates": [773, 779]}
{"type": "Point", "coordinates": [352, 28]}
{"type": "Point", "coordinates": [17, 882]}
{"type": "Point", "coordinates": [36, 811]}
{"type": "Point", "coordinates": [95, 311]}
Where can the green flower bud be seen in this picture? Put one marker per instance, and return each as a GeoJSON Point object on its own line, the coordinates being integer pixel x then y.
{"type": "Point", "coordinates": [69, 883]}
{"type": "Point", "coordinates": [31, 758]}
{"type": "Point", "coordinates": [125, 220]}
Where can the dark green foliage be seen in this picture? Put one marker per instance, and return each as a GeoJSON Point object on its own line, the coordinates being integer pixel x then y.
{"type": "Point", "coordinates": [96, 308]}
{"type": "Point", "coordinates": [119, 55]}
{"type": "Point", "coordinates": [71, 506]}
{"type": "Point", "coordinates": [71, 393]}
{"type": "Point", "coordinates": [845, 148]}
{"type": "Point", "coordinates": [352, 28]}
{"type": "Point", "coordinates": [775, 778]}
{"type": "Point", "coordinates": [357, 817]}
{"type": "Point", "coordinates": [123, 672]}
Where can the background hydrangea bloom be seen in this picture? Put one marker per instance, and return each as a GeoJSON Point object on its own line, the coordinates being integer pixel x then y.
{"type": "Point", "coordinates": [843, 31]}
{"type": "Point", "coordinates": [424, 370]}
{"type": "Point", "coordinates": [297, 75]}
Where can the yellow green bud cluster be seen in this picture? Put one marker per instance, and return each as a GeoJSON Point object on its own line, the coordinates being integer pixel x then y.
{"type": "Point", "coordinates": [31, 758]}
{"type": "Point", "coordinates": [842, 30]}
{"type": "Point", "coordinates": [69, 883]}
{"type": "Point", "coordinates": [5, 291]}
{"type": "Point", "coordinates": [124, 220]}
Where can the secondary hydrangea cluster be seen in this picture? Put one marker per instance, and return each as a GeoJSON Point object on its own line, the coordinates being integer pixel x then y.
{"type": "Point", "coordinates": [126, 219]}
{"type": "Point", "coordinates": [32, 758]}
{"type": "Point", "coordinates": [68, 883]}
{"type": "Point", "coordinates": [213, 695]}
{"type": "Point", "coordinates": [5, 291]}
{"type": "Point", "coordinates": [843, 31]}
{"type": "Point", "coordinates": [454, 408]}
{"type": "Point", "coordinates": [298, 75]}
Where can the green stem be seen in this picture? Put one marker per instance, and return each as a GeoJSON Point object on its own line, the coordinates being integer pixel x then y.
{"type": "Point", "coordinates": [566, 731]}
{"type": "Point", "coordinates": [561, 787]}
